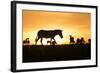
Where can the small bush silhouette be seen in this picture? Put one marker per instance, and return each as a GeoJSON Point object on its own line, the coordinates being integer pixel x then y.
{"type": "Point", "coordinates": [52, 42]}
{"type": "Point", "coordinates": [80, 41]}
{"type": "Point", "coordinates": [72, 39]}
{"type": "Point", "coordinates": [26, 41]}
{"type": "Point", "coordinates": [89, 41]}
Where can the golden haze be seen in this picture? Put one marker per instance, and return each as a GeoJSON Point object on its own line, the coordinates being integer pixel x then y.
{"type": "Point", "coordinates": [72, 23]}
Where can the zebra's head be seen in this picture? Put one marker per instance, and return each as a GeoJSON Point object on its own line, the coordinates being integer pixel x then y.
{"type": "Point", "coordinates": [59, 32]}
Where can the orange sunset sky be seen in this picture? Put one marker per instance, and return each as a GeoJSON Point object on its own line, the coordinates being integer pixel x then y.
{"type": "Point", "coordinates": [72, 23]}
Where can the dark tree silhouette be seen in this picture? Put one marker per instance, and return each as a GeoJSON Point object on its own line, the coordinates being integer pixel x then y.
{"type": "Point", "coordinates": [72, 39]}
{"type": "Point", "coordinates": [47, 34]}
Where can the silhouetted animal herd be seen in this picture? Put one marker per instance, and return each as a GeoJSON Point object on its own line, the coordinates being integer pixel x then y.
{"type": "Point", "coordinates": [51, 34]}
{"type": "Point", "coordinates": [78, 41]}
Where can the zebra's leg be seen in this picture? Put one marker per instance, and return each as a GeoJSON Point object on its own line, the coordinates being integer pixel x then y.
{"type": "Point", "coordinates": [51, 41]}
{"type": "Point", "coordinates": [36, 41]}
{"type": "Point", "coordinates": [41, 41]}
{"type": "Point", "coordinates": [54, 39]}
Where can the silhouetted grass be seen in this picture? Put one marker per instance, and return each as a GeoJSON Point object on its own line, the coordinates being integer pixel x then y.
{"type": "Point", "coordinates": [40, 53]}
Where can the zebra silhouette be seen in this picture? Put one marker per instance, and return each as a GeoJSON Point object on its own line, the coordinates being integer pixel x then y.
{"type": "Point", "coordinates": [47, 34]}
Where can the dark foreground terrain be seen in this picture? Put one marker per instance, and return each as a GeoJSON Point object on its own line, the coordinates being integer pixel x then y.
{"type": "Point", "coordinates": [40, 53]}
